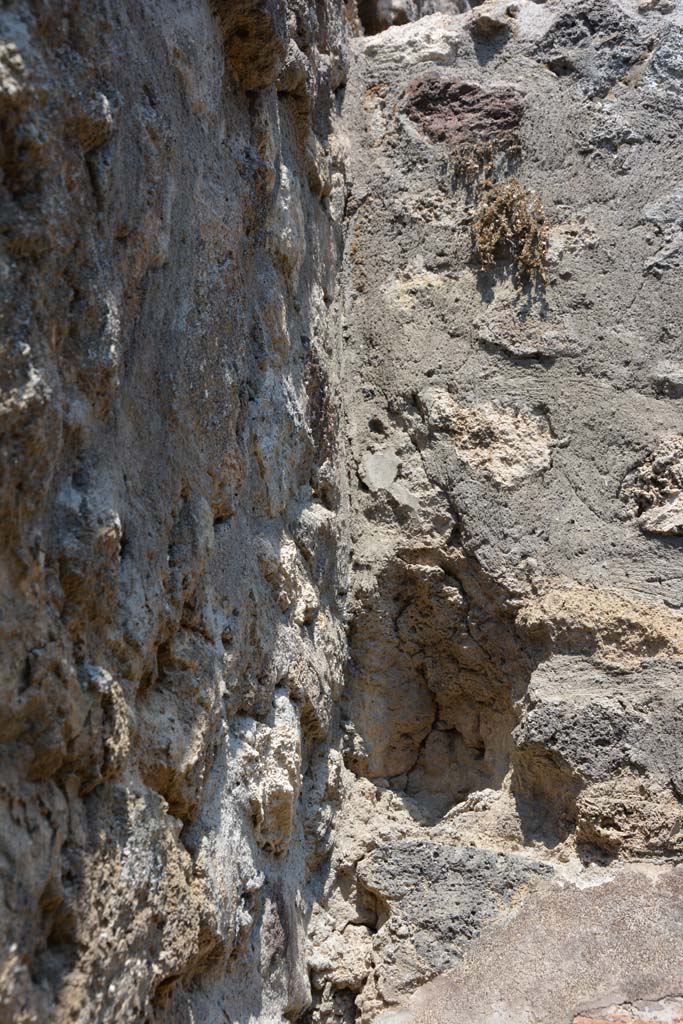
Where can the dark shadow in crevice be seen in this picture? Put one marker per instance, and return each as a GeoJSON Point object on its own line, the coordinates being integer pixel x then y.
{"type": "Point", "coordinates": [437, 669]}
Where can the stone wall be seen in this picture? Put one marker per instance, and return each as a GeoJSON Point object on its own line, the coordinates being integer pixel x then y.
{"type": "Point", "coordinates": [172, 559]}
{"type": "Point", "coordinates": [342, 613]}
{"type": "Point", "coordinates": [513, 323]}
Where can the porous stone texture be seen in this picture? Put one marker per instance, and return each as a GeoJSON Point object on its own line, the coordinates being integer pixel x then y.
{"type": "Point", "coordinates": [342, 606]}
{"type": "Point", "coordinates": [569, 955]}
{"type": "Point", "coordinates": [172, 474]}
{"type": "Point", "coordinates": [516, 630]}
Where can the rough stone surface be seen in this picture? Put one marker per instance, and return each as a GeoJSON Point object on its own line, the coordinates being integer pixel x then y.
{"type": "Point", "coordinates": [567, 953]}
{"type": "Point", "coordinates": [515, 601]}
{"type": "Point", "coordinates": [463, 114]}
{"type": "Point", "coordinates": [441, 895]}
{"type": "Point", "coordinates": [650, 1010]}
{"type": "Point", "coordinates": [341, 566]}
{"type": "Point", "coordinates": [172, 474]}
